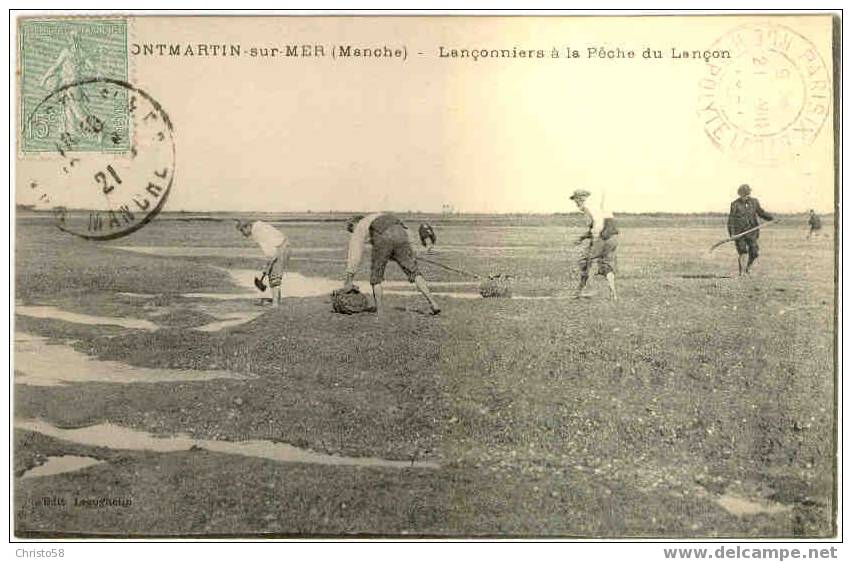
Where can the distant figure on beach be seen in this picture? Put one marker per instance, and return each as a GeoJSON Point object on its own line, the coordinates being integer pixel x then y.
{"type": "Point", "coordinates": [603, 240]}
{"type": "Point", "coordinates": [275, 246]}
{"type": "Point", "coordinates": [742, 220]}
{"type": "Point", "coordinates": [814, 224]}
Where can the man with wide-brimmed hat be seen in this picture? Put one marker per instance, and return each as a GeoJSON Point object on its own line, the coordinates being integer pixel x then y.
{"type": "Point", "coordinates": [745, 210]}
{"type": "Point", "coordinates": [388, 236]}
{"type": "Point", "coordinates": [603, 240]}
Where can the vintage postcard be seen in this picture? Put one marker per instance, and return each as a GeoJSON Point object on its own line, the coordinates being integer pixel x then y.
{"type": "Point", "coordinates": [425, 276]}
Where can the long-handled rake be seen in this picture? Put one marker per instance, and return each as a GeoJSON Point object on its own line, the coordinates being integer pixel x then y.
{"type": "Point", "coordinates": [497, 286]}
{"type": "Point", "coordinates": [741, 234]}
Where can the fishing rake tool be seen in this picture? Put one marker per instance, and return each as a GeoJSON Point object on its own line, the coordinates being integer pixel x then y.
{"type": "Point", "coordinates": [493, 286]}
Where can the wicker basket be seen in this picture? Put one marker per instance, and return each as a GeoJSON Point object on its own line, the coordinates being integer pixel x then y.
{"type": "Point", "coordinates": [351, 302]}
{"type": "Point", "coordinates": [496, 286]}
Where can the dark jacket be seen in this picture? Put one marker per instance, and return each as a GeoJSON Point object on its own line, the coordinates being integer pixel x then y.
{"type": "Point", "coordinates": [743, 215]}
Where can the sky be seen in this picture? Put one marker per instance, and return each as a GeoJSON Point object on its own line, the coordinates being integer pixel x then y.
{"type": "Point", "coordinates": [491, 135]}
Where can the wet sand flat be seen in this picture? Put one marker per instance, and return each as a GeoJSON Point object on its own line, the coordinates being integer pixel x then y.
{"type": "Point", "coordinates": [116, 437]}
{"type": "Point", "coordinates": [41, 363]}
{"type": "Point", "coordinates": [547, 416]}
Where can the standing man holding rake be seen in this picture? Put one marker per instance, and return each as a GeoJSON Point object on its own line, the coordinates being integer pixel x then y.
{"type": "Point", "coordinates": [743, 216]}
{"type": "Point", "coordinates": [603, 240]}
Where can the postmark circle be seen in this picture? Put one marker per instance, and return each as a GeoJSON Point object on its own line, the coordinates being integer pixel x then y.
{"type": "Point", "coordinates": [769, 96]}
{"type": "Point", "coordinates": [117, 189]}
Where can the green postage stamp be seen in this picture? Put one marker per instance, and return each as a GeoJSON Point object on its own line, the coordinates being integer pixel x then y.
{"type": "Point", "coordinates": [63, 59]}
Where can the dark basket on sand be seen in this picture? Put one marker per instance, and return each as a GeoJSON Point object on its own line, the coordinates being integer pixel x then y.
{"type": "Point", "coordinates": [350, 302]}
{"type": "Point", "coordinates": [497, 286]}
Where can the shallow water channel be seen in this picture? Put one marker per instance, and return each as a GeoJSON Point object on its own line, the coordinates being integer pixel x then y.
{"type": "Point", "coordinates": [117, 437]}
{"type": "Point", "coordinates": [39, 362]}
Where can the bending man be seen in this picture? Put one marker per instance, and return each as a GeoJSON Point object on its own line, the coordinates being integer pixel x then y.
{"type": "Point", "coordinates": [389, 238]}
{"type": "Point", "coordinates": [275, 246]}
